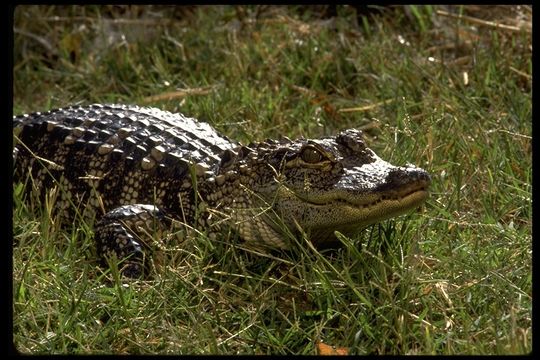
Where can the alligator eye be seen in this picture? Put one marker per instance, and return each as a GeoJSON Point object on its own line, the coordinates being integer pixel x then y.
{"type": "Point", "coordinates": [311, 155]}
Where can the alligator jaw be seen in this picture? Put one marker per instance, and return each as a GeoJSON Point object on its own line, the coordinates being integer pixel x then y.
{"type": "Point", "coordinates": [350, 211]}
{"type": "Point", "coordinates": [350, 218]}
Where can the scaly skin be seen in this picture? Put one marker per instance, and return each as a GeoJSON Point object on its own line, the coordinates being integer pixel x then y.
{"type": "Point", "coordinates": [137, 167]}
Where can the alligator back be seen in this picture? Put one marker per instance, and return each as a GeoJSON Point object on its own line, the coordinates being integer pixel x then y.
{"type": "Point", "coordinates": [126, 154]}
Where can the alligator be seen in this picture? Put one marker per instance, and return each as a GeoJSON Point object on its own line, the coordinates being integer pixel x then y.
{"type": "Point", "coordinates": [142, 171]}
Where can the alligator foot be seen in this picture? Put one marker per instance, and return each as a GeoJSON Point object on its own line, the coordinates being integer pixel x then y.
{"type": "Point", "coordinates": [127, 233]}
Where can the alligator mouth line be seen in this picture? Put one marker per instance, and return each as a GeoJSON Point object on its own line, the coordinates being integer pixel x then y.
{"type": "Point", "coordinates": [406, 198]}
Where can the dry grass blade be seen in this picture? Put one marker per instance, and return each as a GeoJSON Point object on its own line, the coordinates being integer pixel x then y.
{"type": "Point", "coordinates": [179, 94]}
{"type": "Point", "coordinates": [521, 73]}
{"type": "Point", "coordinates": [366, 107]}
{"type": "Point", "coordinates": [486, 23]}
{"type": "Point", "coordinates": [119, 21]}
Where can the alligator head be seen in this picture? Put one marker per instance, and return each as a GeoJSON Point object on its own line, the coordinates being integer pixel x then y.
{"type": "Point", "coordinates": [318, 187]}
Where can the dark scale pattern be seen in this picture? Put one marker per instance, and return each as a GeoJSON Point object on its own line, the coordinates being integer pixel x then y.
{"type": "Point", "coordinates": [132, 133]}
{"type": "Point", "coordinates": [130, 155]}
{"type": "Point", "coordinates": [136, 168]}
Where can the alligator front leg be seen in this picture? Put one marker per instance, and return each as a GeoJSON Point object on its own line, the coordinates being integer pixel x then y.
{"type": "Point", "coordinates": [128, 233]}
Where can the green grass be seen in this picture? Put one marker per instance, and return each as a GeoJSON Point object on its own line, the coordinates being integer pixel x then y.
{"type": "Point", "coordinates": [454, 278]}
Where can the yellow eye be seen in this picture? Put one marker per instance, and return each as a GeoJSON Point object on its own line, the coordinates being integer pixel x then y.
{"type": "Point", "coordinates": [311, 155]}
